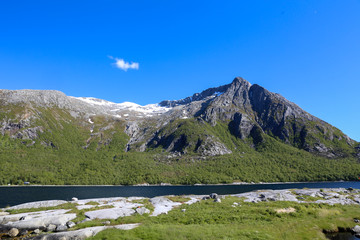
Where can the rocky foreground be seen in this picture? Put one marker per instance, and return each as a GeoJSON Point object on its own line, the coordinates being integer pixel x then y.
{"type": "Point", "coordinates": [64, 220]}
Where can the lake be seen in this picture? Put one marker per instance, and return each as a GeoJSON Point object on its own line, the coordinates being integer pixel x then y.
{"type": "Point", "coordinates": [341, 236]}
{"type": "Point", "coordinates": [13, 195]}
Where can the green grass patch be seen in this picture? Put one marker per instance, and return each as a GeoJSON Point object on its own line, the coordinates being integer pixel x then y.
{"type": "Point", "coordinates": [209, 220]}
{"type": "Point", "coordinates": [92, 203]}
{"type": "Point", "coordinates": [66, 153]}
{"type": "Point", "coordinates": [181, 199]}
{"type": "Point", "coordinates": [308, 198]}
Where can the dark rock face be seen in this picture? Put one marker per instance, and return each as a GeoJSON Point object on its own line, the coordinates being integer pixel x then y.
{"type": "Point", "coordinates": [251, 111]}
{"type": "Point", "coordinates": [241, 125]}
{"type": "Point", "coordinates": [357, 148]}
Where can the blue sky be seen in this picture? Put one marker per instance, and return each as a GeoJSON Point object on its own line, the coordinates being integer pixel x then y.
{"type": "Point", "coordinates": [308, 51]}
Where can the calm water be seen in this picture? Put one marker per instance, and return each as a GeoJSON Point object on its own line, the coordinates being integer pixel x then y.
{"type": "Point", "coordinates": [10, 196]}
{"type": "Point", "coordinates": [342, 236]}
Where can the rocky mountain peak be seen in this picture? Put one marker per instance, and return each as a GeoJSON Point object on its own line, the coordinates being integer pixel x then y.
{"type": "Point", "coordinates": [237, 86]}
{"type": "Point", "coordinates": [240, 82]}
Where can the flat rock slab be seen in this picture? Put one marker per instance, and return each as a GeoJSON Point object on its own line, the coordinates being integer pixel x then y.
{"type": "Point", "coordinates": [162, 205]}
{"type": "Point", "coordinates": [332, 201]}
{"type": "Point", "coordinates": [100, 200]}
{"type": "Point", "coordinates": [118, 202]}
{"type": "Point", "coordinates": [308, 192]}
{"type": "Point", "coordinates": [39, 204]}
{"type": "Point", "coordinates": [125, 204]}
{"type": "Point", "coordinates": [78, 234]}
{"type": "Point", "coordinates": [112, 213]}
{"type": "Point", "coordinates": [194, 199]}
{"type": "Point", "coordinates": [29, 215]}
{"type": "Point", "coordinates": [327, 195]}
{"type": "Point", "coordinates": [81, 207]}
{"type": "Point", "coordinates": [83, 233]}
{"type": "Point", "coordinates": [268, 195]}
{"type": "Point", "coordinates": [40, 220]}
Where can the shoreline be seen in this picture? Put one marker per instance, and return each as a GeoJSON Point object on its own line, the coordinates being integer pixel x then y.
{"type": "Point", "coordinates": [258, 194]}
{"type": "Point", "coordinates": [174, 185]}
{"type": "Point", "coordinates": [58, 219]}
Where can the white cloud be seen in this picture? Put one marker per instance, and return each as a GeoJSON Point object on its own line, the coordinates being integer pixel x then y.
{"type": "Point", "coordinates": [120, 63]}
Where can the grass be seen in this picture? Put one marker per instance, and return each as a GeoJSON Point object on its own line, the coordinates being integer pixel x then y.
{"type": "Point", "coordinates": [180, 199]}
{"type": "Point", "coordinates": [209, 220]}
{"type": "Point", "coordinates": [67, 154]}
{"type": "Point", "coordinates": [308, 198]}
{"type": "Point", "coordinates": [92, 203]}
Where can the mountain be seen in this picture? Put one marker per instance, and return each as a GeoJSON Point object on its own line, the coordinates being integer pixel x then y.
{"type": "Point", "coordinates": [234, 124]}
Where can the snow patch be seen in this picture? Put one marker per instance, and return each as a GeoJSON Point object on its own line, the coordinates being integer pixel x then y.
{"type": "Point", "coordinates": [95, 101]}
{"type": "Point", "coordinates": [184, 116]}
{"type": "Point", "coordinates": [150, 109]}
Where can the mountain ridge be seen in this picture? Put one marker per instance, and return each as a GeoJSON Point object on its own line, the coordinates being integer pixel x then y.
{"type": "Point", "coordinates": [237, 124]}
{"type": "Point", "coordinates": [247, 108]}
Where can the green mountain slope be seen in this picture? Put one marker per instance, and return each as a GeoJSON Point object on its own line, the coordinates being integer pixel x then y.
{"type": "Point", "coordinates": [235, 133]}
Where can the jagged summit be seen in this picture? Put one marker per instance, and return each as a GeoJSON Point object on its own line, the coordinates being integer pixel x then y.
{"type": "Point", "coordinates": [240, 81]}
{"type": "Point", "coordinates": [237, 83]}
{"type": "Point", "coordinates": [210, 92]}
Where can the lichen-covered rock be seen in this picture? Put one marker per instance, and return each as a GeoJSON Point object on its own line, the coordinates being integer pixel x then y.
{"type": "Point", "coordinates": [51, 228]}
{"type": "Point", "coordinates": [61, 228]}
{"type": "Point", "coordinates": [13, 232]}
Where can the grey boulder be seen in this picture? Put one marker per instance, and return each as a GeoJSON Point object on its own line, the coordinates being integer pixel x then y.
{"type": "Point", "coordinates": [70, 224]}
{"type": "Point", "coordinates": [356, 229]}
{"type": "Point", "coordinates": [13, 232]}
{"type": "Point", "coordinates": [61, 228]}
